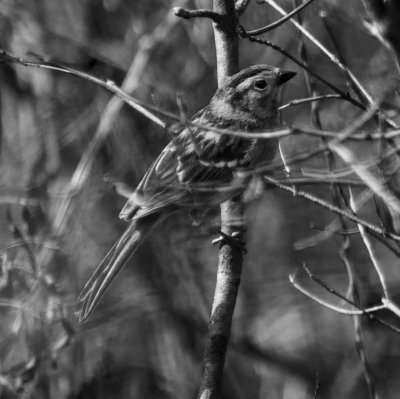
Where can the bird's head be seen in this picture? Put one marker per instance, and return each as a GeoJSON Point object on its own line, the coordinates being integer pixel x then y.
{"type": "Point", "coordinates": [252, 91]}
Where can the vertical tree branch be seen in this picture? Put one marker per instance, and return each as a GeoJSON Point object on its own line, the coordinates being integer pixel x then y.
{"type": "Point", "coordinates": [230, 257]}
{"type": "Point", "coordinates": [226, 39]}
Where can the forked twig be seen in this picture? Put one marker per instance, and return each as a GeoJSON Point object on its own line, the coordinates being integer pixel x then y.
{"type": "Point", "coordinates": [280, 21]}
{"type": "Point", "coordinates": [319, 202]}
{"type": "Point", "coordinates": [322, 284]}
{"type": "Point", "coordinates": [360, 89]}
{"type": "Point", "coordinates": [338, 309]}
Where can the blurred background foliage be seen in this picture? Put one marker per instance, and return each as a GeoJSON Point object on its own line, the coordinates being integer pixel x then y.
{"type": "Point", "coordinates": [59, 207]}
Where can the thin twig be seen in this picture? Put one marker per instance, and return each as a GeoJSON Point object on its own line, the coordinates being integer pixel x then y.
{"type": "Point", "coordinates": [371, 316]}
{"type": "Point", "coordinates": [315, 41]}
{"type": "Point", "coordinates": [345, 96]}
{"type": "Point", "coordinates": [347, 232]}
{"type": "Point", "coordinates": [106, 84]}
{"type": "Point", "coordinates": [131, 83]}
{"type": "Point", "coordinates": [319, 202]}
{"type": "Point", "coordinates": [281, 21]}
{"type": "Point", "coordinates": [351, 83]}
{"type": "Point", "coordinates": [338, 309]}
{"type": "Point", "coordinates": [310, 99]}
{"type": "Point", "coordinates": [353, 295]}
{"type": "Point", "coordinates": [308, 154]}
{"type": "Point", "coordinates": [371, 252]}
{"type": "Point", "coordinates": [16, 244]}
{"type": "Point", "coordinates": [360, 89]}
{"type": "Point", "coordinates": [200, 13]}
{"type": "Point", "coordinates": [150, 111]}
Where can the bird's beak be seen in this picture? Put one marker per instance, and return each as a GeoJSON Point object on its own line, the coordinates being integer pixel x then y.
{"type": "Point", "coordinates": [285, 76]}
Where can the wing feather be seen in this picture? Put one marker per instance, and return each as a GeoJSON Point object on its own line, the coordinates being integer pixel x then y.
{"type": "Point", "coordinates": [182, 176]}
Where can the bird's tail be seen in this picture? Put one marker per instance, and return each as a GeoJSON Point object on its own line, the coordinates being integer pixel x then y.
{"type": "Point", "coordinates": [113, 263]}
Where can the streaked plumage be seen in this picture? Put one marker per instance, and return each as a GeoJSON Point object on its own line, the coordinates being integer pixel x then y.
{"type": "Point", "coordinates": [197, 169]}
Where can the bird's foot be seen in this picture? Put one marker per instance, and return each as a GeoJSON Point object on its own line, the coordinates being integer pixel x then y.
{"type": "Point", "coordinates": [232, 240]}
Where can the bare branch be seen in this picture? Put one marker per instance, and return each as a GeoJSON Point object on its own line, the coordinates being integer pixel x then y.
{"type": "Point", "coordinates": [280, 21]}
{"type": "Point", "coordinates": [371, 315]}
{"type": "Point", "coordinates": [200, 13]}
{"type": "Point", "coordinates": [315, 41]}
{"type": "Point", "coordinates": [310, 99]}
{"type": "Point", "coordinates": [338, 309]}
{"type": "Point", "coordinates": [106, 84]}
{"type": "Point", "coordinates": [345, 96]}
{"type": "Point", "coordinates": [232, 221]}
{"type": "Point", "coordinates": [319, 202]}
{"type": "Point", "coordinates": [150, 111]}
{"type": "Point", "coordinates": [360, 88]}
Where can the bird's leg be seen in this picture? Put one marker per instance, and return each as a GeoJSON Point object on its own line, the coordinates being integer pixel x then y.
{"type": "Point", "coordinates": [233, 240]}
{"type": "Point", "coordinates": [198, 219]}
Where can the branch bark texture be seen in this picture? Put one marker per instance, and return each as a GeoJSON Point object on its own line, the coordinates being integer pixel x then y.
{"type": "Point", "coordinates": [232, 220]}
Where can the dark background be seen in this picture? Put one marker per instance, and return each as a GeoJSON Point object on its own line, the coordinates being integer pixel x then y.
{"type": "Point", "coordinates": [145, 340]}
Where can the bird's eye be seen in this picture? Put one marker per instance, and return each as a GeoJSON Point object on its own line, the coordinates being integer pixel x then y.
{"type": "Point", "coordinates": [260, 84]}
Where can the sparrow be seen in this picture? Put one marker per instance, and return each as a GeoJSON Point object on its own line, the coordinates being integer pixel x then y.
{"type": "Point", "coordinates": [199, 168]}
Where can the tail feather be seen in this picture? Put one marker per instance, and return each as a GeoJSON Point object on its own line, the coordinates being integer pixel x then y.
{"type": "Point", "coordinates": [112, 264]}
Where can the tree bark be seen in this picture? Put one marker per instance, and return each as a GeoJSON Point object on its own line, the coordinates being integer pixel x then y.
{"type": "Point", "coordinates": [232, 220]}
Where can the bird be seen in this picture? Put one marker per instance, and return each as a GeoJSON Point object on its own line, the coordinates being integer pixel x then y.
{"type": "Point", "coordinates": [199, 168]}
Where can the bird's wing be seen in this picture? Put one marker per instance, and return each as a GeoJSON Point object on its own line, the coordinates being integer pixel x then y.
{"type": "Point", "coordinates": [158, 188]}
{"type": "Point", "coordinates": [184, 174]}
